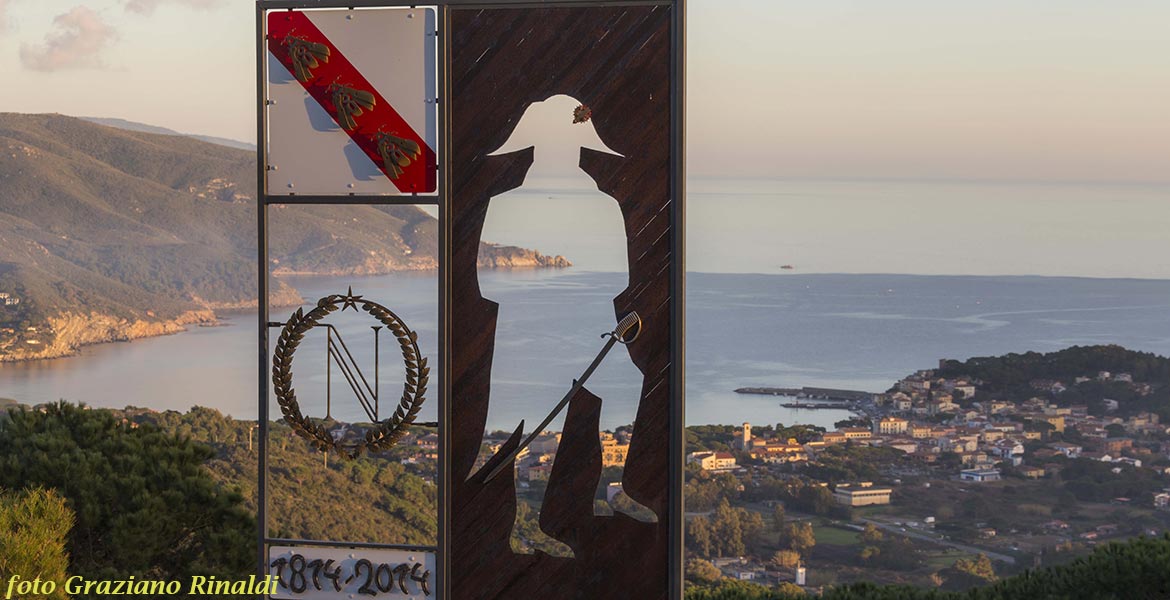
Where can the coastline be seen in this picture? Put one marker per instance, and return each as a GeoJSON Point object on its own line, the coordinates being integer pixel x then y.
{"type": "Point", "coordinates": [74, 331]}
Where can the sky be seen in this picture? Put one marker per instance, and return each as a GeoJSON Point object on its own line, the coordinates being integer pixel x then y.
{"type": "Point", "coordinates": [1045, 90]}
{"type": "Point", "coordinates": [794, 108]}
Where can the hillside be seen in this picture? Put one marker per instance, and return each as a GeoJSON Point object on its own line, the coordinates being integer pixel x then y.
{"type": "Point", "coordinates": [1013, 372]}
{"type": "Point", "coordinates": [143, 127]}
{"type": "Point", "coordinates": [1083, 374]}
{"type": "Point", "coordinates": [110, 234]}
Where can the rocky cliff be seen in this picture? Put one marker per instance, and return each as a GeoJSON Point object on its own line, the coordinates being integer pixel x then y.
{"type": "Point", "coordinates": [66, 333]}
{"type": "Point", "coordinates": [493, 256]}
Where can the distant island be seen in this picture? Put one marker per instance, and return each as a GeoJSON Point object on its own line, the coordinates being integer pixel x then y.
{"type": "Point", "coordinates": [110, 234]}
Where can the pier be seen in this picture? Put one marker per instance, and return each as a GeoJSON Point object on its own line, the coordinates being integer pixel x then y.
{"type": "Point", "coordinates": [818, 405]}
{"type": "Point", "coordinates": [811, 393]}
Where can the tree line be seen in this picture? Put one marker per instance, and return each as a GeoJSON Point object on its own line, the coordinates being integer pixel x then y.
{"type": "Point", "coordinates": [1135, 569]}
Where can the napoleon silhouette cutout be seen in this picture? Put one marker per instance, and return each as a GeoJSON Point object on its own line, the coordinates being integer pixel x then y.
{"type": "Point", "coordinates": [588, 227]}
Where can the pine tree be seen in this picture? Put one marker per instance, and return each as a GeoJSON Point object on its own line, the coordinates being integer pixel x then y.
{"type": "Point", "coordinates": [144, 503]}
{"type": "Point", "coordinates": [33, 526]}
{"type": "Point", "coordinates": [699, 536]}
{"type": "Point", "coordinates": [727, 530]}
{"type": "Point", "coordinates": [778, 517]}
{"type": "Point", "coordinates": [800, 537]}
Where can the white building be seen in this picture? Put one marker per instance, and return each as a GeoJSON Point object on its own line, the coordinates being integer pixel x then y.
{"type": "Point", "coordinates": [862, 494]}
{"type": "Point", "coordinates": [712, 461]}
{"type": "Point", "coordinates": [893, 426]}
{"type": "Point", "coordinates": [979, 475]}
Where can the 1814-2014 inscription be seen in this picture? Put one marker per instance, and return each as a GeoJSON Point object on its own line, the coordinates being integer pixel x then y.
{"type": "Point", "coordinates": [312, 573]}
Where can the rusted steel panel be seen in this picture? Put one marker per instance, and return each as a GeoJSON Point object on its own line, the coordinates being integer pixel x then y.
{"type": "Point", "coordinates": [616, 61]}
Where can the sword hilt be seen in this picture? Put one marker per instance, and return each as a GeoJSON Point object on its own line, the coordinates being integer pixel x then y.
{"type": "Point", "coordinates": [628, 329]}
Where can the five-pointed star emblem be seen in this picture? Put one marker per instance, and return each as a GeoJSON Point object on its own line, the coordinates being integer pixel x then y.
{"type": "Point", "coordinates": [350, 300]}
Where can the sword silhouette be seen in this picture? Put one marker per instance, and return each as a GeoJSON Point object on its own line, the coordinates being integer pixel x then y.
{"type": "Point", "coordinates": [630, 323]}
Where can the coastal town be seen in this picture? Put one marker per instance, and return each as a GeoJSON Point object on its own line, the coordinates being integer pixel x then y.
{"type": "Point", "coordinates": [925, 419]}
{"type": "Point", "coordinates": [968, 471]}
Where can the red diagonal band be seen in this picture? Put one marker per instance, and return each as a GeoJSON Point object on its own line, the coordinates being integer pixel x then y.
{"type": "Point", "coordinates": [419, 175]}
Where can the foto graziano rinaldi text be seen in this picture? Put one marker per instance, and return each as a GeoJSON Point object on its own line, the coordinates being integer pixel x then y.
{"type": "Point", "coordinates": [18, 587]}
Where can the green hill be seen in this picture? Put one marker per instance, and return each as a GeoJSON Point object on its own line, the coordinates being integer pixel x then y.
{"type": "Point", "coordinates": [113, 234]}
{"type": "Point", "coordinates": [1010, 377]}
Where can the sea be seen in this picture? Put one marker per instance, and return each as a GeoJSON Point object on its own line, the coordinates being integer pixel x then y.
{"type": "Point", "coordinates": [789, 286]}
{"type": "Point", "coordinates": [858, 332]}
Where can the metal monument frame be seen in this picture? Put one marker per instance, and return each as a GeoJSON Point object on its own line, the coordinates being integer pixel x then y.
{"type": "Point", "coordinates": [441, 199]}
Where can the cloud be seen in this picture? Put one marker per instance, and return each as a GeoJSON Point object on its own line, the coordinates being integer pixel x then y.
{"type": "Point", "coordinates": [80, 37]}
{"type": "Point", "coordinates": [146, 7]}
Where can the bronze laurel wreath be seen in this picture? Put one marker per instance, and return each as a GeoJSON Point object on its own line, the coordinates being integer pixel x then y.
{"type": "Point", "coordinates": [388, 431]}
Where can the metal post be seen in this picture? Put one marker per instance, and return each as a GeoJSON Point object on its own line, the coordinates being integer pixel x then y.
{"type": "Point", "coordinates": [377, 329]}
{"type": "Point", "coordinates": [262, 295]}
{"type": "Point", "coordinates": [328, 373]}
{"type": "Point", "coordinates": [678, 289]}
{"type": "Point", "coordinates": [443, 136]}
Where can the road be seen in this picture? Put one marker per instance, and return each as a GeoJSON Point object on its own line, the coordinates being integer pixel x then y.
{"type": "Point", "coordinates": [910, 532]}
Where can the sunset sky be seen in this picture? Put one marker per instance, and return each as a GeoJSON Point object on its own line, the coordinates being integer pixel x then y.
{"type": "Point", "coordinates": [1047, 90]}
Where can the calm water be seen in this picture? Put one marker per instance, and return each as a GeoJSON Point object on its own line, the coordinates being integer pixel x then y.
{"type": "Point", "coordinates": [854, 331]}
